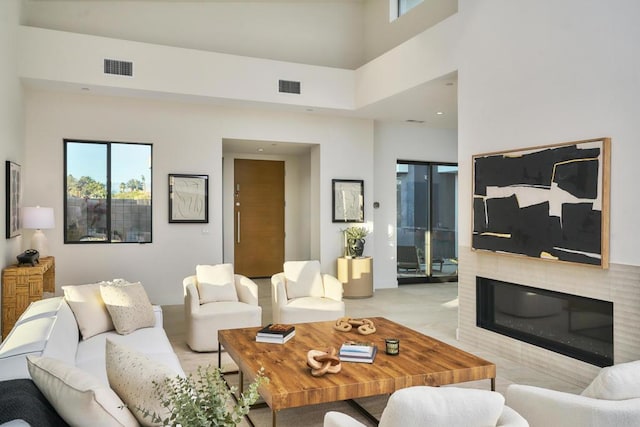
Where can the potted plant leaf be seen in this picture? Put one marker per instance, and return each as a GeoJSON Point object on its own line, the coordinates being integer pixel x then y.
{"type": "Point", "coordinates": [203, 399]}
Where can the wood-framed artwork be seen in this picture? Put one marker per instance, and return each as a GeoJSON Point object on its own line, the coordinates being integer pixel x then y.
{"type": "Point", "coordinates": [13, 193]}
{"type": "Point", "coordinates": [348, 200]}
{"type": "Point", "coordinates": [549, 202]}
{"type": "Point", "coordinates": [188, 198]}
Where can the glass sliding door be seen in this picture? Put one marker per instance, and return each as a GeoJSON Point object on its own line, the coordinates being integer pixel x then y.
{"type": "Point", "coordinates": [427, 222]}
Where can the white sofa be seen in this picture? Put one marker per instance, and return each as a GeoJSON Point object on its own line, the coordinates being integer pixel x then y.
{"type": "Point", "coordinates": [48, 328]}
{"type": "Point", "coordinates": [612, 399]}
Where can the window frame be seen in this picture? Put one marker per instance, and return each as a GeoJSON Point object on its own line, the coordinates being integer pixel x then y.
{"type": "Point", "coordinates": [108, 144]}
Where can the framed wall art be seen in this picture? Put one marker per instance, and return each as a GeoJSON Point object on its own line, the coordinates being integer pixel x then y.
{"type": "Point", "coordinates": [348, 200]}
{"type": "Point", "coordinates": [188, 198]}
{"type": "Point", "coordinates": [549, 202]}
{"type": "Point", "coordinates": [13, 193]}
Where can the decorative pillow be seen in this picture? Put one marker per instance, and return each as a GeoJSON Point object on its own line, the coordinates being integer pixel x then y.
{"type": "Point", "coordinates": [132, 374]}
{"type": "Point", "coordinates": [89, 309]}
{"type": "Point", "coordinates": [617, 382]}
{"type": "Point", "coordinates": [129, 306]}
{"type": "Point", "coordinates": [216, 283]}
{"type": "Point", "coordinates": [303, 279]}
{"type": "Point", "coordinates": [76, 395]}
{"type": "Point", "coordinates": [442, 407]}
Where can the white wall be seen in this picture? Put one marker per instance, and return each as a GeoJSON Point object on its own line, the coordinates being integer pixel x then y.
{"type": "Point", "coordinates": [326, 33]}
{"type": "Point", "coordinates": [538, 73]}
{"type": "Point", "coordinates": [67, 59]}
{"type": "Point", "coordinates": [534, 73]}
{"type": "Point", "coordinates": [186, 139]}
{"type": "Point", "coordinates": [11, 114]}
{"type": "Point", "coordinates": [382, 34]}
{"type": "Point", "coordinates": [400, 141]}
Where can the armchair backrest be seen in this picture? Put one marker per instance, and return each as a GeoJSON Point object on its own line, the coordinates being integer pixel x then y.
{"type": "Point", "coordinates": [442, 407]}
{"type": "Point", "coordinates": [617, 382]}
{"type": "Point", "coordinates": [303, 279]}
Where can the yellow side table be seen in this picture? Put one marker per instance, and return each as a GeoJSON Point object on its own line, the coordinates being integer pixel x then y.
{"type": "Point", "coordinates": [356, 275]}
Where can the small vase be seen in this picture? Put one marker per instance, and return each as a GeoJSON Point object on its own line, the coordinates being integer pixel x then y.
{"type": "Point", "coordinates": [357, 248]}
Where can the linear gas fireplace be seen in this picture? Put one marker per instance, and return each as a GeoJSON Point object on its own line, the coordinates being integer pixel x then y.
{"type": "Point", "coordinates": [572, 325]}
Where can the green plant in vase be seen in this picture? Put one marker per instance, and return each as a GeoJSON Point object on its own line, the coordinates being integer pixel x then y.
{"type": "Point", "coordinates": [203, 399]}
{"type": "Point", "coordinates": [354, 240]}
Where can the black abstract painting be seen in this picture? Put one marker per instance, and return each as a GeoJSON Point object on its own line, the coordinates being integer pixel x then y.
{"type": "Point", "coordinates": [548, 202]}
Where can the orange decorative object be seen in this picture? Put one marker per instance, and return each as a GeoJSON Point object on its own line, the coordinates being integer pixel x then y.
{"type": "Point", "coordinates": [322, 362]}
{"type": "Point", "coordinates": [364, 326]}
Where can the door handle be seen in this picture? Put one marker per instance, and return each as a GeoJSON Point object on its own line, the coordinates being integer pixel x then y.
{"type": "Point", "coordinates": [238, 231]}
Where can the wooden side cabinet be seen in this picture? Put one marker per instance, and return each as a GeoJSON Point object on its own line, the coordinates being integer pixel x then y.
{"type": "Point", "coordinates": [356, 275]}
{"type": "Point", "coordinates": [23, 284]}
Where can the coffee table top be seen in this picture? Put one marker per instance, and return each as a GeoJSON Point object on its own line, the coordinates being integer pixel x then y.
{"type": "Point", "coordinates": [422, 361]}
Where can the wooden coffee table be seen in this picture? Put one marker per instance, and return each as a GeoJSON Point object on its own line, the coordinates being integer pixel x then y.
{"type": "Point", "coordinates": [422, 361]}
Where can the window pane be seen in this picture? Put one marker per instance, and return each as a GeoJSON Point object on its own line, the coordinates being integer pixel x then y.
{"type": "Point", "coordinates": [406, 5]}
{"type": "Point", "coordinates": [130, 193]}
{"type": "Point", "coordinates": [86, 214]}
{"type": "Point", "coordinates": [96, 212]}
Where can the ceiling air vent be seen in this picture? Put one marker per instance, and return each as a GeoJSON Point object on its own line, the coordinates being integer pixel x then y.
{"type": "Point", "coordinates": [118, 68]}
{"type": "Point", "coordinates": [288, 86]}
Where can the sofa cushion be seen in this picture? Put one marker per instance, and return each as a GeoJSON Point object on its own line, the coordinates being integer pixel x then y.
{"type": "Point", "coordinates": [216, 283]}
{"type": "Point", "coordinates": [129, 307]}
{"type": "Point", "coordinates": [77, 396]}
{"type": "Point", "coordinates": [304, 279]}
{"type": "Point", "coordinates": [132, 375]}
{"type": "Point", "coordinates": [20, 399]}
{"type": "Point", "coordinates": [89, 309]}
{"type": "Point", "coordinates": [442, 407]}
{"type": "Point", "coordinates": [153, 342]}
{"type": "Point", "coordinates": [617, 382]}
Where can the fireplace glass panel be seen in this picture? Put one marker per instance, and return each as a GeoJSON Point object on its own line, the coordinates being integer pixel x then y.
{"type": "Point", "coordinates": [572, 325]}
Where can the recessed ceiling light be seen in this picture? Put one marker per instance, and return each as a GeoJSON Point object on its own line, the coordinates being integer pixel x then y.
{"type": "Point", "coordinates": [414, 121]}
{"type": "Point", "coordinates": [260, 150]}
{"type": "Point", "coordinates": [440, 113]}
{"type": "Point", "coordinates": [309, 109]}
{"type": "Point", "coordinates": [449, 84]}
{"type": "Point", "coordinates": [84, 88]}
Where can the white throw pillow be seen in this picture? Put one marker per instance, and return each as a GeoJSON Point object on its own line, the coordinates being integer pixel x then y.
{"type": "Point", "coordinates": [77, 396]}
{"type": "Point", "coordinates": [216, 283]}
{"type": "Point", "coordinates": [304, 279]}
{"type": "Point", "coordinates": [617, 382]}
{"type": "Point", "coordinates": [129, 307]}
{"type": "Point", "coordinates": [88, 308]}
{"type": "Point", "coordinates": [131, 375]}
{"type": "Point", "coordinates": [442, 407]}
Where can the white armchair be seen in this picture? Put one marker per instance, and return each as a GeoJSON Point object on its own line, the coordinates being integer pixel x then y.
{"type": "Point", "coordinates": [303, 294]}
{"type": "Point", "coordinates": [612, 399]}
{"type": "Point", "coordinates": [216, 298]}
{"type": "Point", "coordinates": [439, 407]}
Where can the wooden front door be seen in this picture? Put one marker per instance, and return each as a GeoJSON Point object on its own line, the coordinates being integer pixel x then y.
{"type": "Point", "coordinates": [258, 217]}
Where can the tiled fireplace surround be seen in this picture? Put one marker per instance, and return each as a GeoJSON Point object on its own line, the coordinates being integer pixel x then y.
{"type": "Point", "coordinates": [619, 284]}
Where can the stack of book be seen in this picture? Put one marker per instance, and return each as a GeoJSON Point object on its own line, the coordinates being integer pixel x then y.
{"type": "Point", "coordinates": [276, 333]}
{"type": "Point", "coordinates": [358, 352]}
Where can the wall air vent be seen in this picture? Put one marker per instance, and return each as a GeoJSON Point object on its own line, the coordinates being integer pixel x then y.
{"type": "Point", "coordinates": [288, 86]}
{"type": "Point", "coordinates": [118, 68]}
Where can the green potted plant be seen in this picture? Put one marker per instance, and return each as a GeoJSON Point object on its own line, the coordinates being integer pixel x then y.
{"type": "Point", "coordinates": [203, 399]}
{"type": "Point", "coordinates": [354, 240]}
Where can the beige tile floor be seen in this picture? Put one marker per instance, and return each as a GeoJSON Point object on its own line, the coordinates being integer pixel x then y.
{"type": "Point", "coordinates": [428, 308]}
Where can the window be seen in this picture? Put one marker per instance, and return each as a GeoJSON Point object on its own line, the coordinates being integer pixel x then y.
{"type": "Point", "coordinates": [405, 6]}
{"type": "Point", "coordinates": [107, 189]}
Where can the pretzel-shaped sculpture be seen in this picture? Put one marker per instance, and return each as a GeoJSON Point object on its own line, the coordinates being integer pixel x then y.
{"type": "Point", "coordinates": [364, 326]}
{"type": "Point", "coordinates": [322, 362]}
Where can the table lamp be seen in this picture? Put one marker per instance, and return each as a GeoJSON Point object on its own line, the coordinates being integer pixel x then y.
{"type": "Point", "coordinates": [37, 218]}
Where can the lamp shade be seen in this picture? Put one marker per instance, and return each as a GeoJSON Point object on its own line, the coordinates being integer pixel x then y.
{"type": "Point", "coordinates": [37, 218]}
